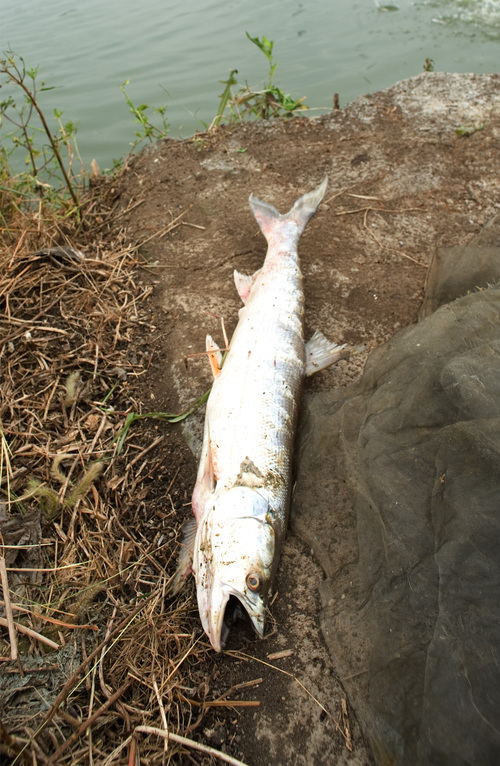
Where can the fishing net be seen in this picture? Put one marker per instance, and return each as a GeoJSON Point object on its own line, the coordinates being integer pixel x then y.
{"type": "Point", "coordinates": [398, 494]}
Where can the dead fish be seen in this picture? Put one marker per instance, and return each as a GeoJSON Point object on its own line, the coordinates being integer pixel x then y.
{"type": "Point", "coordinates": [242, 493]}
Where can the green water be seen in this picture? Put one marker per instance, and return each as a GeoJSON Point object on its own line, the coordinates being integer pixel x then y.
{"type": "Point", "coordinates": [322, 47]}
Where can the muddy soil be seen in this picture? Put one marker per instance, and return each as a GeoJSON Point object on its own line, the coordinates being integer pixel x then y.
{"type": "Point", "coordinates": [410, 169]}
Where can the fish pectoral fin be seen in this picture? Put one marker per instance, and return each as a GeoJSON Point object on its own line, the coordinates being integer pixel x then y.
{"type": "Point", "coordinates": [214, 356]}
{"type": "Point", "coordinates": [321, 353]}
{"type": "Point", "coordinates": [244, 283]}
{"type": "Point", "coordinates": [185, 564]}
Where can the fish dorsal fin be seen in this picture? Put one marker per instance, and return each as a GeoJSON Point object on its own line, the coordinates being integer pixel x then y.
{"type": "Point", "coordinates": [321, 353]}
{"type": "Point", "coordinates": [186, 553]}
{"type": "Point", "coordinates": [214, 356]}
{"type": "Point", "coordinates": [244, 283]}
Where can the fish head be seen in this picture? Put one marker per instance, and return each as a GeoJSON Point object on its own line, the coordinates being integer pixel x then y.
{"type": "Point", "coordinates": [234, 555]}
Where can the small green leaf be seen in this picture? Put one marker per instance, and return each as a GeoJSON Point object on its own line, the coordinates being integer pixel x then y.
{"type": "Point", "coordinates": [169, 417]}
{"type": "Point", "coordinates": [468, 130]}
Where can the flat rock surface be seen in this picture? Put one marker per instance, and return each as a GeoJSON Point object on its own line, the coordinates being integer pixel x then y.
{"type": "Point", "coordinates": [410, 169]}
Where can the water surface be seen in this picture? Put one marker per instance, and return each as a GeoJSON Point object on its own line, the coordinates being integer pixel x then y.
{"type": "Point", "coordinates": [88, 49]}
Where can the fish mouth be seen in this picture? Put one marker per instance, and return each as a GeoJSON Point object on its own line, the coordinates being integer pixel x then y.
{"type": "Point", "coordinates": [232, 610]}
{"type": "Point", "coordinates": [234, 614]}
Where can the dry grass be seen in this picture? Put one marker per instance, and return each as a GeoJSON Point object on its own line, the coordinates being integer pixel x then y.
{"type": "Point", "coordinates": [95, 659]}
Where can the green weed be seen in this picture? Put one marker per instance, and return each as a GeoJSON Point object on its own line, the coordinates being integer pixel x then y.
{"type": "Point", "coordinates": [148, 130]}
{"type": "Point", "coordinates": [48, 177]}
{"type": "Point", "coordinates": [468, 130]}
{"type": "Point", "coordinates": [247, 103]}
{"type": "Point", "coordinates": [132, 417]}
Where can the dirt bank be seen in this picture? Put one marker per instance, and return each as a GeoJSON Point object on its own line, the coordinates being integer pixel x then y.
{"type": "Point", "coordinates": [410, 169]}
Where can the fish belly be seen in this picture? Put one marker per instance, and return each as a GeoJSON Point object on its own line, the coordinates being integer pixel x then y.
{"type": "Point", "coordinates": [252, 409]}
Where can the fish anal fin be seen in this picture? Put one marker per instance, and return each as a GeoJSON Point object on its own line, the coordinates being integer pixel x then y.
{"type": "Point", "coordinates": [321, 353]}
{"type": "Point", "coordinates": [214, 356]}
{"type": "Point", "coordinates": [244, 283]}
{"type": "Point", "coordinates": [185, 564]}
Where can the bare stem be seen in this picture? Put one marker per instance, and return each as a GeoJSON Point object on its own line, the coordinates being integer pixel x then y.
{"type": "Point", "coordinates": [19, 80]}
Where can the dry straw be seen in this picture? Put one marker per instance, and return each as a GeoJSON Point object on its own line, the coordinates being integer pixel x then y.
{"type": "Point", "coordinates": [98, 662]}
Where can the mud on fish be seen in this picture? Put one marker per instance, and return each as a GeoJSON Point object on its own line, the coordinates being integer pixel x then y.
{"type": "Point", "coordinates": [242, 493]}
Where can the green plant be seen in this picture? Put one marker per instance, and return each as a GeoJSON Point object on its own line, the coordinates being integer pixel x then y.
{"type": "Point", "coordinates": [148, 130]}
{"type": "Point", "coordinates": [225, 97]}
{"type": "Point", "coordinates": [468, 130]}
{"type": "Point", "coordinates": [266, 46]}
{"type": "Point", "coordinates": [132, 417]}
{"type": "Point", "coordinates": [48, 177]}
{"type": "Point", "coordinates": [269, 102]}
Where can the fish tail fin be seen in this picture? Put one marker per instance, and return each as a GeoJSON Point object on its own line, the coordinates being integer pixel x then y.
{"type": "Point", "coordinates": [304, 208]}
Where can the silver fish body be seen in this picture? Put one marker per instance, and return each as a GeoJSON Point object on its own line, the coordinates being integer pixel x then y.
{"type": "Point", "coordinates": [242, 492]}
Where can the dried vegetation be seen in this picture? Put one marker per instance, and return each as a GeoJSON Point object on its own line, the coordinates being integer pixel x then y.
{"type": "Point", "coordinates": [97, 664]}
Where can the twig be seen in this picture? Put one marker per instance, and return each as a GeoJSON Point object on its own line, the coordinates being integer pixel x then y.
{"type": "Point", "coordinates": [161, 232]}
{"type": "Point", "coordinates": [112, 756]}
{"type": "Point", "coordinates": [145, 452]}
{"type": "Point", "coordinates": [379, 243]}
{"type": "Point", "coordinates": [46, 569]}
{"type": "Point", "coordinates": [29, 632]}
{"type": "Point", "coordinates": [243, 685]}
{"type": "Point", "coordinates": [280, 655]}
{"type": "Point", "coordinates": [19, 80]}
{"type": "Point", "coordinates": [73, 679]}
{"type": "Point", "coordinates": [339, 194]}
{"type": "Point", "coordinates": [231, 703]}
{"type": "Point", "coordinates": [9, 622]}
{"type": "Point", "coordinates": [184, 656]}
{"type": "Point", "coordinates": [132, 752]}
{"type": "Point", "coordinates": [162, 711]}
{"type": "Point", "coordinates": [189, 743]}
{"type": "Point", "coordinates": [11, 745]}
{"type": "Point", "coordinates": [193, 225]}
{"type": "Point", "coordinates": [83, 726]}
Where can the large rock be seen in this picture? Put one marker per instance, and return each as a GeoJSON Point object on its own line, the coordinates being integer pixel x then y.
{"type": "Point", "coordinates": [398, 494]}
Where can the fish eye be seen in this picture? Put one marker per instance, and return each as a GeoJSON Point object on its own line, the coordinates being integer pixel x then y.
{"type": "Point", "coordinates": [254, 581]}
